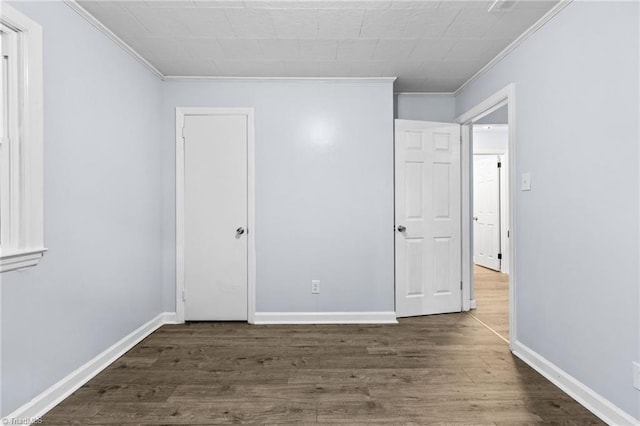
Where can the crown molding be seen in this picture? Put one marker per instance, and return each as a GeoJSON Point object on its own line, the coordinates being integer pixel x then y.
{"type": "Point", "coordinates": [117, 40]}
{"type": "Point", "coordinates": [443, 94]}
{"type": "Point", "coordinates": [267, 79]}
{"type": "Point", "coordinates": [517, 42]}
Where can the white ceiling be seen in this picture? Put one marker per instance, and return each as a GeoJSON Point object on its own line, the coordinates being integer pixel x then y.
{"type": "Point", "coordinates": [431, 46]}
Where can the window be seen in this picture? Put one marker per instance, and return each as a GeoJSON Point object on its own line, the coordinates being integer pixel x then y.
{"type": "Point", "coordinates": [21, 198]}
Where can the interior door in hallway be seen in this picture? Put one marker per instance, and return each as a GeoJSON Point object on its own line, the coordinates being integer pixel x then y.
{"type": "Point", "coordinates": [486, 211]}
{"type": "Point", "coordinates": [428, 218]}
{"type": "Point", "coordinates": [215, 217]}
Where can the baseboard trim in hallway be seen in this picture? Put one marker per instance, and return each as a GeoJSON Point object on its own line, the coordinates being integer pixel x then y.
{"type": "Point", "coordinates": [44, 402]}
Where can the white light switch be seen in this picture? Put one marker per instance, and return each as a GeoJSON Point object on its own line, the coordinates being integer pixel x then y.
{"type": "Point", "coordinates": [526, 182]}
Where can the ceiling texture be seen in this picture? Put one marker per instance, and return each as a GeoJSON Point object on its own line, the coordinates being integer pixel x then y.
{"type": "Point", "coordinates": [431, 46]}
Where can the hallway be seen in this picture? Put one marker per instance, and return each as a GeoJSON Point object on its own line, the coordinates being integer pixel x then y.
{"type": "Point", "coordinates": [491, 293]}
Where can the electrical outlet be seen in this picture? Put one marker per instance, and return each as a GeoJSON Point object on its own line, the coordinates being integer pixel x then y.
{"type": "Point", "coordinates": [636, 375]}
{"type": "Point", "coordinates": [315, 286]}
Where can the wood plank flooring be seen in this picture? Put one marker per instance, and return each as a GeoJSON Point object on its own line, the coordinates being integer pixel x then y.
{"type": "Point", "coordinates": [491, 292]}
{"type": "Point", "coordinates": [442, 369]}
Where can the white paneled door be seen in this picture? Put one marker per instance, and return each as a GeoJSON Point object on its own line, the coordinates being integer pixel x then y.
{"type": "Point", "coordinates": [215, 217]}
{"type": "Point", "coordinates": [428, 222]}
{"type": "Point", "coordinates": [486, 211]}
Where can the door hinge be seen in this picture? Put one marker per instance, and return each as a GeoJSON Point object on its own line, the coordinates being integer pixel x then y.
{"type": "Point", "coordinates": [184, 296]}
{"type": "Point", "coordinates": [499, 164]}
{"type": "Point", "coordinates": [508, 234]}
{"type": "Point", "coordinates": [499, 256]}
{"type": "Point", "coordinates": [183, 132]}
{"type": "Point", "coordinates": [460, 285]}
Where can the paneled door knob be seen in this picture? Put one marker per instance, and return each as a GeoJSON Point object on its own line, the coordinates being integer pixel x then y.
{"type": "Point", "coordinates": [240, 231]}
{"type": "Point", "coordinates": [401, 228]}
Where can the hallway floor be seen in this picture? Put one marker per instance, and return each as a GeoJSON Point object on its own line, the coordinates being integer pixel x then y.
{"type": "Point", "coordinates": [491, 292]}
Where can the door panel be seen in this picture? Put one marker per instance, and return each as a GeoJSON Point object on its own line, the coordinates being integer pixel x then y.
{"type": "Point", "coordinates": [428, 259]}
{"type": "Point", "coordinates": [216, 256]}
{"type": "Point", "coordinates": [486, 206]}
{"type": "Point", "coordinates": [414, 263]}
{"type": "Point", "coordinates": [413, 197]}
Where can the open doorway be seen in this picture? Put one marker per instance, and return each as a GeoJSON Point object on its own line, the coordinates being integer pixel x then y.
{"type": "Point", "coordinates": [489, 268]}
{"type": "Point", "coordinates": [490, 199]}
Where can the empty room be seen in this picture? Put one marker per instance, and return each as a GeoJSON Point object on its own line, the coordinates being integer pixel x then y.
{"type": "Point", "coordinates": [310, 211]}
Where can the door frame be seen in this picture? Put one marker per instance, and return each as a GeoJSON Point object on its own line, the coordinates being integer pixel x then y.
{"type": "Point", "coordinates": [504, 215]}
{"type": "Point", "coordinates": [181, 112]}
{"type": "Point", "coordinates": [504, 96]}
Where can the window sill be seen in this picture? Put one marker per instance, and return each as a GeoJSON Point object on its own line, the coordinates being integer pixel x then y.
{"type": "Point", "coordinates": [19, 259]}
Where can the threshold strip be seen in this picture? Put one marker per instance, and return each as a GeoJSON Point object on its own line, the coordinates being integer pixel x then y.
{"type": "Point", "coordinates": [490, 329]}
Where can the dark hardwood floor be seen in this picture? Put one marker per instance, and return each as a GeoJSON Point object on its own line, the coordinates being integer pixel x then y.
{"type": "Point", "coordinates": [491, 292]}
{"type": "Point", "coordinates": [442, 369]}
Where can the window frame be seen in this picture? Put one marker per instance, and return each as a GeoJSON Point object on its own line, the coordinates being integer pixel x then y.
{"type": "Point", "coordinates": [21, 192]}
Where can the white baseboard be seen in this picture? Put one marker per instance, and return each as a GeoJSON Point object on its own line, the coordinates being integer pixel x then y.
{"type": "Point", "coordinates": [325, 318]}
{"type": "Point", "coordinates": [594, 402]}
{"type": "Point", "coordinates": [472, 304]}
{"type": "Point", "coordinates": [170, 318]}
{"type": "Point", "coordinates": [41, 404]}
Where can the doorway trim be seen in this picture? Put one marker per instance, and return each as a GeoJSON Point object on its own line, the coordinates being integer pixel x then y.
{"type": "Point", "coordinates": [181, 112]}
{"type": "Point", "coordinates": [505, 96]}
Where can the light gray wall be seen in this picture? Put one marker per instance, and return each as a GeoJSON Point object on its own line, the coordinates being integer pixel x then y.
{"type": "Point", "coordinates": [577, 237]}
{"type": "Point", "coordinates": [323, 210]}
{"type": "Point", "coordinates": [425, 107]}
{"type": "Point", "coordinates": [498, 116]}
{"type": "Point", "coordinates": [101, 277]}
{"type": "Point", "coordinates": [495, 139]}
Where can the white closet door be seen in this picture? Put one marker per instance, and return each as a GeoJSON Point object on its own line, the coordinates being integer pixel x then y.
{"type": "Point", "coordinates": [215, 217]}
